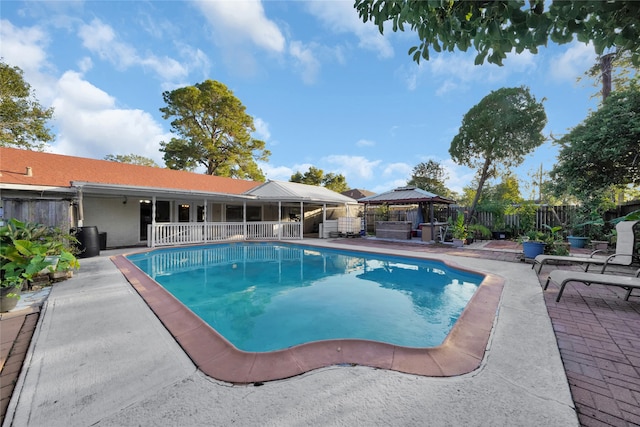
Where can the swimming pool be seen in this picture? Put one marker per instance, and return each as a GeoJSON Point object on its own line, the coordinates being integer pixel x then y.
{"type": "Point", "coordinates": [271, 296]}
{"type": "Point", "coordinates": [461, 352]}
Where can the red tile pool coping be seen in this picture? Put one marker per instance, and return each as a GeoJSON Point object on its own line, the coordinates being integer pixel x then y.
{"type": "Point", "coordinates": [460, 353]}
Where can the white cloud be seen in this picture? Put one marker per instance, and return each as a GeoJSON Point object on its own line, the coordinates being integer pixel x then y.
{"type": "Point", "coordinates": [394, 169]}
{"type": "Point", "coordinates": [90, 124]}
{"type": "Point", "coordinates": [276, 173]}
{"type": "Point", "coordinates": [341, 17]}
{"type": "Point", "coordinates": [262, 129]}
{"type": "Point", "coordinates": [101, 39]}
{"type": "Point", "coordinates": [23, 47]}
{"type": "Point", "coordinates": [353, 166]}
{"type": "Point", "coordinates": [26, 48]}
{"type": "Point", "coordinates": [458, 176]}
{"type": "Point", "coordinates": [456, 71]}
{"type": "Point", "coordinates": [305, 61]}
{"type": "Point", "coordinates": [572, 62]}
{"type": "Point", "coordinates": [365, 143]}
{"type": "Point", "coordinates": [243, 21]}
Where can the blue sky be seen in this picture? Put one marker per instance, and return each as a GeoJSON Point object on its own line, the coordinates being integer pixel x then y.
{"type": "Point", "coordinates": [325, 89]}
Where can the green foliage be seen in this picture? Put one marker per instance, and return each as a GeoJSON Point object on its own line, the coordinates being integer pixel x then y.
{"type": "Point", "coordinates": [28, 248]}
{"type": "Point", "coordinates": [335, 182]}
{"type": "Point", "coordinates": [623, 75]}
{"type": "Point", "coordinates": [23, 121]}
{"type": "Point", "coordinates": [430, 176]}
{"type": "Point", "coordinates": [602, 152]}
{"type": "Point", "coordinates": [382, 212]}
{"type": "Point", "coordinates": [479, 230]}
{"type": "Point", "coordinates": [527, 215]}
{"type": "Point", "coordinates": [213, 130]}
{"type": "Point", "coordinates": [133, 159]}
{"type": "Point", "coordinates": [458, 227]}
{"type": "Point", "coordinates": [315, 176]}
{"type": "Point", "coordinates": [498, 132]}
{"type": "Point", "coordinates": [496, 28]}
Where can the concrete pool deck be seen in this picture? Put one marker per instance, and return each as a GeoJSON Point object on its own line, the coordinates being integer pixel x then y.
{"type": "Point", "coordinates": [100, 356]}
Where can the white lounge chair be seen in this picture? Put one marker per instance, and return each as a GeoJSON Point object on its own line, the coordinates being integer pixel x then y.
{"type": "Point", "coordinates": [624, 254]}
{"type": "Point", "coordinates": [562, 277]}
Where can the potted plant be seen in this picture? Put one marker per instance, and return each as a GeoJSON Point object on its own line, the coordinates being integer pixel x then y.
{"type": "Point", "coordinates": [21, 261]}
{"type": "Point", "coordinates": [582, 227]}
{"type": "Point", "coordinates": [28, 250]}
{"type": "Point", "coordinates": [533, 243]}
{"type": "Point", "coordinates": [555, 244]}
{"type": "Point", "coordinates": [459, 231]}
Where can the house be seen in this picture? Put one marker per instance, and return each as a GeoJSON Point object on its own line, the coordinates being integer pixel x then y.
{"type": "Point", "coordinates": [137, 205]}
{"type": "Point", "coordinates": [357, 193]}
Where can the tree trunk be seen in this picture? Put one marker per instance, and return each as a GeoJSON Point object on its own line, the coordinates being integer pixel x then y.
{"type": "Point", "coordinates": [481, 181]}
{"type": "Point", "coordinates": [605, 68]}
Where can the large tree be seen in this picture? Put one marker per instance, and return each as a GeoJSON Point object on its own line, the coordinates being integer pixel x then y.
{"type": "Point", "coordinates": [213, 130]}
{"type": "Point", "coordinates": [23, 121]}
{"type": "Point", "coordinates": [497, 27]}
{"type": "Point", "coordinates": [603, 151]}
{"type": "Point", "coordinates": [315, 176]}
{"type": "Point", "coordinates": [430, 176]}
{"type": "Point", "coordinates": [614, 71]}
{"type": "Point", "coordinates": [498, 132]}
{"type": "Point", "coordinates": [133, 159]}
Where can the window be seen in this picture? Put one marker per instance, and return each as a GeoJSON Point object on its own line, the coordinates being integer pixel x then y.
{"type": "Point", "coordinates": [183, 212]}
{"type": "Point", "coordinates": [163, 211]}
{"type": "Point", "coordinates": [234, 213]}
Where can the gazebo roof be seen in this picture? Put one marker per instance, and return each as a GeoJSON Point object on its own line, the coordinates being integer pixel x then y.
{"type": "Point", "coordinates": [405, 195]}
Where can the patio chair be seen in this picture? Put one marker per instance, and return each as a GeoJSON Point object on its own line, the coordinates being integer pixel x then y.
{"type": "Point", "coordinates": [624, 254]}
{"type": "Point", "coordinates": [562, 277]}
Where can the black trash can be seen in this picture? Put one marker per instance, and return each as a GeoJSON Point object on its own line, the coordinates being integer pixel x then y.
{"type": "Point", "coordinates": [88, 241]}
{"type": "Point", "coordinates": [103, 240]}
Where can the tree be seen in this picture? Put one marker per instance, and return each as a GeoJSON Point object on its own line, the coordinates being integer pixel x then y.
{"type": "Point", "coordinates": [614, 71]}
{"type": "Point", "coordinates": [603, 151]}
{"type": "Point", "coordinates": [430, 176]}
{"type": "Point", "coordinates": [500, 130]}
{"type": "Point", "coordinates": [213, 131]}
{"type": "Point", "coordinates": [335, 182]}
{"type": "Point", "coordinates": [23, 121]}
{"type": "Point", "coordinates": [315, 176]}
{"type": "Point", "coordinates": [497, 27]}
{"type": "Point", "coordinates": [133, 159]}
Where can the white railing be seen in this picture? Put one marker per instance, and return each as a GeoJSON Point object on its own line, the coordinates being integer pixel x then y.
{"type": "Point", "coordinates": [181, 233]}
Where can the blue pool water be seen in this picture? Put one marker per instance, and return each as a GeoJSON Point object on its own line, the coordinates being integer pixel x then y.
{"type": "Point", "coordinates": [265, 296]}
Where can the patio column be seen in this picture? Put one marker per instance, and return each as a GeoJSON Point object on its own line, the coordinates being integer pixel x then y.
{"type": "Point", "coordinates": [432, 220]}
{"type": "Point", "coordinates": [279, 220]}
{"type": "Point", "coordinates": [244, 218]}
{"type": "Point", "coordinates": [324, 219]}
{"type": "Point", "coordinates": [80, 208]}
{"type": "Point", "coordinates": [204, 225]}
{"type": "Point", "coordinates": [151, 234]}
{"type": "Point", "coordinates": [301, 220]}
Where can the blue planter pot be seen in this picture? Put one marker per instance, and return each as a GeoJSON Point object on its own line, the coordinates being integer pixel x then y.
{"type": "Point", "coordinates": [532, 249]}
{"type": "Point", "coordinates": [577, 242]}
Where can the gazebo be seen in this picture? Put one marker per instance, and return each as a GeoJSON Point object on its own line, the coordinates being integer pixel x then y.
{"type": "Point", "coordinates": [409, 195]}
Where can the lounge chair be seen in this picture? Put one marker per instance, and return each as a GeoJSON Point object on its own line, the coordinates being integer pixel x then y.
{"type": "Point", "coordinates": [562, 277]}
{"type": "Point", "coordinates": [624, 254]}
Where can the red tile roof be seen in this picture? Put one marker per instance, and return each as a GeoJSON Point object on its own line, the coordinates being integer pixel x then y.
{"type": "Point", "coordinates": [59, 171]}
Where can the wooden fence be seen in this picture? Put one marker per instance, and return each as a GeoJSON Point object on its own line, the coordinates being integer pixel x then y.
{"type": "Point", "coordinates": [546, 216]}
